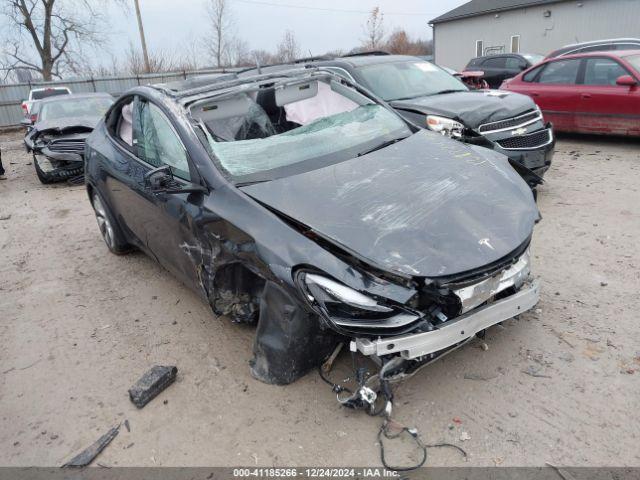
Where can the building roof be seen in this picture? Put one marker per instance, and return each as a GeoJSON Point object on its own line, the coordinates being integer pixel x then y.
{"type": "Point", "coordinates": [480, 7]}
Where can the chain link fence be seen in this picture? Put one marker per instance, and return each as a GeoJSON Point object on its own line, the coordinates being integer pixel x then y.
{"type": "Point", "coordinates": [12, 95]}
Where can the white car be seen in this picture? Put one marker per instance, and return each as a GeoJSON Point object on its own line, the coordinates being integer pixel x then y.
{"type": "Point", "coordinates": [39, 94]}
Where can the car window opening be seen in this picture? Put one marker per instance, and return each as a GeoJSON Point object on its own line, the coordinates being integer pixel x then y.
{"type": "Point", "coordinates": [278, 126]}
{"type": "Point", "coordinates": [125, 124]}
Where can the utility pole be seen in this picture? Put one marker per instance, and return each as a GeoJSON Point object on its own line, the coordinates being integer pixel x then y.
{"type": "Point", "coordinates": [142, 39]}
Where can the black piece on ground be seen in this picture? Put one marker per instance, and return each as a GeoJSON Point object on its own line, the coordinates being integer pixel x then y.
{"type": "Point", "coordinates": [87, 456]}
{"type": "Point", "coordinates": [151, 384]}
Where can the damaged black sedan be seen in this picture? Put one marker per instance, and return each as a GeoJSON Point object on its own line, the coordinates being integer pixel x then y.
{"type": "Point", "coordinates": [296, 201]}
{"type": "Point", "coordinates": [57, 136]}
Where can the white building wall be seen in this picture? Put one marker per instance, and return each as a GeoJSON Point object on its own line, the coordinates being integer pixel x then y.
{"type": "Point", "coordinates": [569, 22]}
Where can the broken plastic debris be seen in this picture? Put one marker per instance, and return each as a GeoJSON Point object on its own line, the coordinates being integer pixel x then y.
{"type": "Point", "coordinates": [151, 384]}
{"type": "Point", "coordinates": [85, 457]}
{"type": "Point", "coordinates": [464, 436]}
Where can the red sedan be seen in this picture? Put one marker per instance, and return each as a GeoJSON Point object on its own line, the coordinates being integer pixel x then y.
{"type": "Point", "coordinates": [596, 92]}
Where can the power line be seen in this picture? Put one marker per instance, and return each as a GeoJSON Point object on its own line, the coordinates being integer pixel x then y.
{"type": "Point", "coordinates": [303, 7]}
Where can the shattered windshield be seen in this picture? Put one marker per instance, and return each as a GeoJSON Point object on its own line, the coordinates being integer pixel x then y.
{"type": "Point", "coordinates": [78, 107]}
{"type": "Point", "coordinates": [405, 80]}
{"type": "Point", "coordinates": [279, 132]}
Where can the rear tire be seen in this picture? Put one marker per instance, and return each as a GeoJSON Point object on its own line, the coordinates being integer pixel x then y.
{"type": "Point", "coordinates": [109, 229]}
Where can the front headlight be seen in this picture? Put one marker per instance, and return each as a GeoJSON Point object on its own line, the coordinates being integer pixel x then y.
{"type": "Point", "coordinates": [347, 308]}
{"type": "Point", "coordinates": [445, 126]}
{"type": "Point", "coordinates": [338, 299]}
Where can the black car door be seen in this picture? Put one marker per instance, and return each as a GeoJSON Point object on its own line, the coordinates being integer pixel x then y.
{"type": "Point", "coordinates": [161, 223]}
{"type": "Point", "coordinates": [513, 66]}
{"type": "Point", "coordinates": [129, 199]}
{"type": "Point", "coordinates": [494, 70]}
{"type": "Point", "coordinates": [170, 230]}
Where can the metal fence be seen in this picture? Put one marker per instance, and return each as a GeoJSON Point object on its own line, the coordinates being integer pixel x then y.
{"type": "Point", "coordinates": [12, 95]}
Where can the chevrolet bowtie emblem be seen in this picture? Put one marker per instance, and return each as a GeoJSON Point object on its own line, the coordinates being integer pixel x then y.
{"type": "Point", "coordinates": [519, 131]}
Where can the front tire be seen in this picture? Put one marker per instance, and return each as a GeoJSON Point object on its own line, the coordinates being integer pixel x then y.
{"type": "Point", "coordinates": [44, 177]}
{"type": "Point", "coordinates": [109, 229]}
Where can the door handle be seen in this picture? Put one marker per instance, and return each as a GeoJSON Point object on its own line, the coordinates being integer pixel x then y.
{"type": "Point", "coordinates": [585, 95]}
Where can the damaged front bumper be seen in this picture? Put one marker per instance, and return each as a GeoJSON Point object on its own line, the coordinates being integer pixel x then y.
{"type": "Point", "coordinates": [455, 331]}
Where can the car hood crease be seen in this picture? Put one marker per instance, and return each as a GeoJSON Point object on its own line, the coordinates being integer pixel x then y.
{"type": "Point", "coordinates": [427, 206]}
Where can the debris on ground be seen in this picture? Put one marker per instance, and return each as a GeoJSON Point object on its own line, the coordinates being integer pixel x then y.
{"type": "Point", "coordinates": [127, 426]}
{"type": "Point", "coordinates": [534, 371]}
{"type": "Point", "coordinates": [87, 456]}
{"type": "Point", "coordinates": [477, 376]}
{"type": "Point", "coordinates": [5, 217]}
{"type": "Point", "coordinates": [484, 346]}
{"type": "Point", "coordinates": [151, 384]}
{"type": "Point", "coordinates": [464, 436]}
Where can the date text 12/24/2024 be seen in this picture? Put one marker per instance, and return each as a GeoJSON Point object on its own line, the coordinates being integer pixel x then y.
{"type": "Point", "coordinates": [314, 472]}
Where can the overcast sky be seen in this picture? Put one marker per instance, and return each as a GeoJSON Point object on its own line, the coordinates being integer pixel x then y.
{"type": "Point", "coordinates": [319, 26]}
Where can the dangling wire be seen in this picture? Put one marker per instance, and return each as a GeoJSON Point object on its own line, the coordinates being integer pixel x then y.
{"type": "Point", "coordinates": [365, 398]}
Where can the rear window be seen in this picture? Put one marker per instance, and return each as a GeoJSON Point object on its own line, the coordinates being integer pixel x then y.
{"type": "Point", "coordinates": [496, 62]}
{"type": "Point", "coordinates": [49, 92]}
{"type": "Point", "coordinates": [561, 71]}
{"type": "Point", "coordinates": [514, 63]}
{"type": "Point", "coordinates": [593, 48]}
{"type": "Point", "coordinates": [74, 107]}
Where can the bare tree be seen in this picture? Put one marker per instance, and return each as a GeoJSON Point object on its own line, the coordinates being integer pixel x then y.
{"type": "Point", "coordinates": [288, 48]}
{"type": "Point", "coordinates": [258, 57]}
{"type": "Point", "coordinates": [402, 44]}
{"type": "Point", "coordinates": [190, 55]}
{"type": "Point", "coordinates": [221, 30]}
{"type": "Point", "coordinates": [47, 36]}
{"type": "Point", "coordinates": [238, 53]}
{"type": "Point", "coordinates": [374, 30]}
{"type": "Point", "coordinates": [134, 62]}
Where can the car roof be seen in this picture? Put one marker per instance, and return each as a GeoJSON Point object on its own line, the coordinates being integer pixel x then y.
{"type": "Point", "coordinates": [606, 41]}
{"type": "Point", "coordinates": [205, 85]}
{"type": "Point", "coordinates": [365, 60]}
{"type": "Point", "coordinates": [506, 54]}
{"type": "Point", "coordinates": [73, 96]}
{"type": "Point", "coordinates": [195, 82]}
{"type": "Point", "coordinates": [604, 53]}
{"type": "Point", "coordinates": [51, 87]}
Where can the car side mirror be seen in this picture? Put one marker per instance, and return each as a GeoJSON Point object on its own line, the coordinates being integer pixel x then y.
{"type": "Point", "coordinates": [626, 81]}
{"type": "Point", "coordinates": [160, 180]}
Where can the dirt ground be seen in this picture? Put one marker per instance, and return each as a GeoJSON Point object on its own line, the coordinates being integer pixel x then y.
{"type": "Point", "coordinates": [78, 326]}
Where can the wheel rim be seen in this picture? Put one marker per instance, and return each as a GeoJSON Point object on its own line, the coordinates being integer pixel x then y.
{"type": "Point", "coordinates": [106, 229]}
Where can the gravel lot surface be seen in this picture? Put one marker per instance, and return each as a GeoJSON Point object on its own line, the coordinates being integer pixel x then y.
{"type": "Point", "coordinates": [78, 326]}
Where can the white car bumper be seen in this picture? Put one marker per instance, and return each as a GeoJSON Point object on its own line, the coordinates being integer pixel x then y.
{"type": "Point", "coordinates": [455, 331]}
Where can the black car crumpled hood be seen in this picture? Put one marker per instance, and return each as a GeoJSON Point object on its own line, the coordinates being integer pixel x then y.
{"type": "Point", "coordinates": [426, 206]}
{"type": "Point", "coordinates": [472, 108]}
{"type": "Point", "coordinates": [64, 125]}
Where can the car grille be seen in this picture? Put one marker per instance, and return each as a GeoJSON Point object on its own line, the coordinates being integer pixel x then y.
{"type": "Point", "coordinates": [513, 122]}
{"type": "Point", "coordinates": [67, 146]}
{"type": "Point", "coordinates": [533, 140]}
